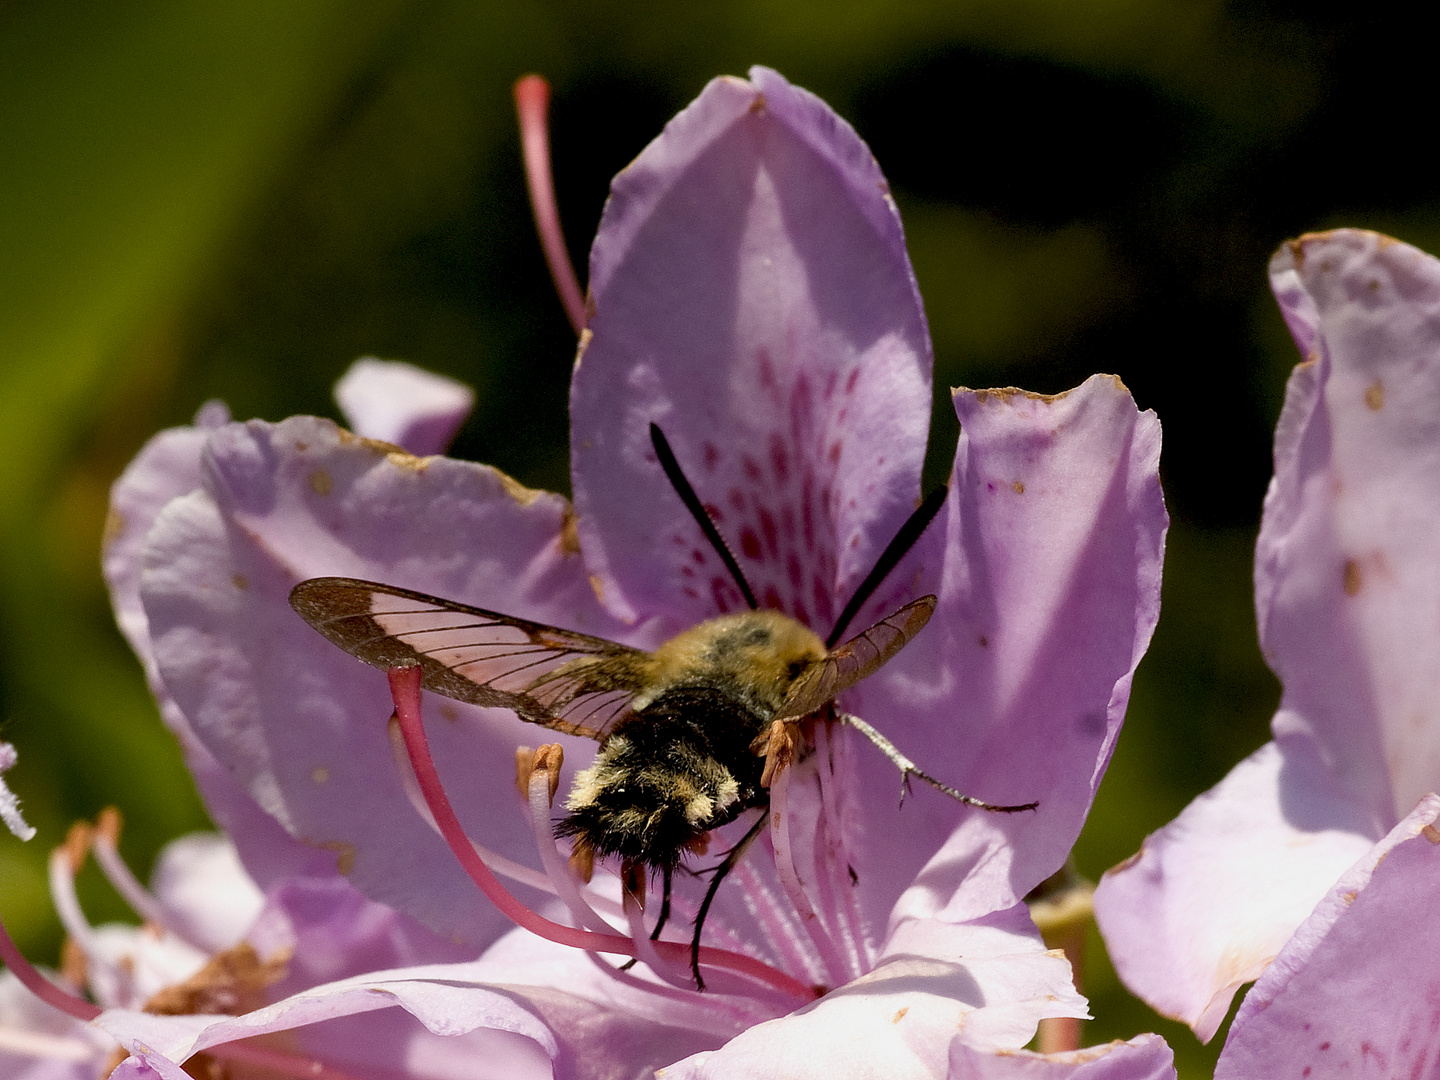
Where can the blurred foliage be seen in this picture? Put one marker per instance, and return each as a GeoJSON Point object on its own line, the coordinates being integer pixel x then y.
{"type": "Point", "coordinates": [235, 201]}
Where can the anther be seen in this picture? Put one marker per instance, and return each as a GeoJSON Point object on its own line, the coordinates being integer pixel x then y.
{"type": "Point", "coordinates": [582, 860]}
{"type": "Point", "coordinates": [524, 763]}
{"type": "Point", "coordinates": [548, 760]}
{"type": "Point", "coordinates": [107, 825]}
{"type": "Point", "coordinates": [778, 745]}
{"type": "Point", "coordinates": [76, 845]}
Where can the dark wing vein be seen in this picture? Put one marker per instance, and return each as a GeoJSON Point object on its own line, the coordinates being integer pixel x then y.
{"type": "Point", "coordinates": [549, 676]}
{"type": "Point", "coordinates": [861, 656]}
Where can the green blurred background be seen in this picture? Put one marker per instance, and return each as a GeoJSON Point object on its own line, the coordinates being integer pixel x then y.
{"type": "Point", "coordinates": [235, 201]}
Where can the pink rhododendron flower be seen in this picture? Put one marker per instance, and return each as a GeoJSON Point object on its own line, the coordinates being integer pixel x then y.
{"type": "Point", "coordinates": [751, 295]}
{"type": "Point", "coordinates": [212, 947]}
{"type": "Point", "coordinates": [1347, 585]}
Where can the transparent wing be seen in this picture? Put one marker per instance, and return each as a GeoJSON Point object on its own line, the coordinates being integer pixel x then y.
{"type": "Point", "coordinates": [557, 678]}
{"type": "Point", "coordinates": [863, 654]}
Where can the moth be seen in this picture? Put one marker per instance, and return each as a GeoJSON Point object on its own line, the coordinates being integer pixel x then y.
{"type": "Point", "coordinates": [690, 735]}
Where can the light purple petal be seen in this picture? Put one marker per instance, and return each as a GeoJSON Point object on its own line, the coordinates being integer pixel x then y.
{"type": "Point", "coordinates": [1049, 553]}
{"type": "Point", "coordinates": [205, 891]}
{"type": "Point", "coordinates": [167, 468]}
{"type": "Point", "coordinates": [1356, 992]}
{"type": "Point", "coordinates": [751, 295]}
{"type": "Point", "coordinates": [39, 1042]}
{"type": "Point", "coordinates": [399, 403]}
{"type": "Point", "coordinates": [440, 996]}
{"type": "Point", "coordinates": [1347, 593]}
{"type": "Point", "coordinates": [986, 984]}
{"type": "Point", "coordinates": [1347, 582]}
{"type": "Point", "coordinates": [333, 932]}
{"type": "Point", "coordinates": [1213, 897]}
{"type": "Point", "coordinates": [301, 724]}
{"type": "Point", "coordinates": [1145, 1057]}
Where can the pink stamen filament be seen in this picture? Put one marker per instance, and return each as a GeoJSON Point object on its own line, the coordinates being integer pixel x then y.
{"type": "Point", "coordinates": [62, 870]}
{"type": "Point", "coordinates": [646, 950]}
{"type": "Point", "coordinates": [507, 868]}
{"type": "Point", "coordinates": [124, 881]}
{"type": "Point", "coordinates": [785, 869]}
{"type": "Point", "coordinates": [39, 985]}
{"type": "Point", "coordinates": [405, 687]}
{"type": "Point", "coordinates": [841, 891]}
{"type": "Point", "coordinates": [776, 921]}
{"type": "Point", "coordinates": [557, 869]}
{"type": "Point", "coordinates": [532, 104]}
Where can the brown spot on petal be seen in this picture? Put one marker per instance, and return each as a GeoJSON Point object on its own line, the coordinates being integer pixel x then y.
{"type": "Point", "coordinates": [569, 532]}
{"type": "Point", "coordinates": [449, 712]}
{"type": "Point", "coordinates": [232, 983]}
{"type": "Point", "coordinates": [1353, 580]}
{"type": "Point", "coordinates": [240, 581]}
{"type": "Point", "coordinates": [758, 105]}
{"type": "Point", "coordinates": [598, 588]}
{"type": "Point", "coordinates": [321, 482]}
{"type": "Point", "coordinates": [899, 1015]}
{"type": "Point", "coordinates": [1017, 487]}
{"type": "Point", "coordinates": [344, 854]}
{"type": "Point", "coordinates": [1349, 897]}
{"type": "Point", "coordinates": [319, 774]}
{"type": "Point", "coordinates": [1375, 395]}
{"type": "Point", "coordinates": [1431, 833]}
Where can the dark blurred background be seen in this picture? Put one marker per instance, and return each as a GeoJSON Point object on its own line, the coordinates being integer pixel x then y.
{"type": "Point", "coordinates": [236, 201]}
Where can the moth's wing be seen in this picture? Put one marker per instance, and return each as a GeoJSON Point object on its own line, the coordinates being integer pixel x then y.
{"type": "Point", "coordinates": [559, 679]}
{"type": "Point", "coordinates": [863, 654]}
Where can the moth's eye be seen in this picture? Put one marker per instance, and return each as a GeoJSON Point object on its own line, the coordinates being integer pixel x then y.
{"type": "Point", "coordinates": [796, 667]}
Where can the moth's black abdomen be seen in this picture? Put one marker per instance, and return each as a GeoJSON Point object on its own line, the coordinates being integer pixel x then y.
{"type": "Point", "coordinates": [667, 774]}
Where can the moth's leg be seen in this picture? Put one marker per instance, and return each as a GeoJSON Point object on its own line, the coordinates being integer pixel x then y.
{"type": "Point", "coordinates": [908, 769]}
{"type": "Point", "coordinates": [733, 856]}
{"type": "Point", "coordinates": [667, 873]}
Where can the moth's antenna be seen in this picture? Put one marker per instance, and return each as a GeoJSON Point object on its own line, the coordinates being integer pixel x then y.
{"type": "Point", "coordinates": [692, 503]}
{"type": "Point", "coordinates": [903, 542]}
